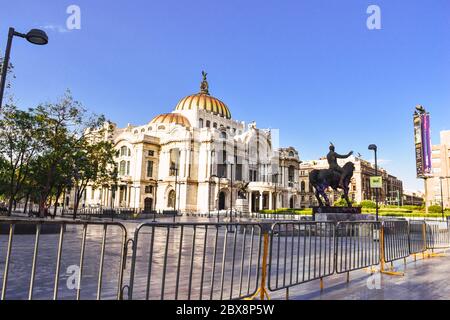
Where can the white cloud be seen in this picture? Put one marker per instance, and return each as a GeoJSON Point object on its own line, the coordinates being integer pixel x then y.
{"type": "Point", "coordinates": [381, 161]}
{"type": "Point", "coordinates": [55, 28]}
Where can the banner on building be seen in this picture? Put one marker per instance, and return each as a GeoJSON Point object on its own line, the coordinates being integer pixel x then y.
{"type": "Point", "coordinates": [422, 140]}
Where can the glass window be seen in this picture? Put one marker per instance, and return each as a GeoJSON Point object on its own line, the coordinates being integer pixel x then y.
{"type": "Point", "coordinates": [174, 161]}
{"type": "Point", "coordinates": [200, 123]}
{"type": "Point", "coordinates": [149, 169]}
{"type": "Point", "coordinates": [151, 153]}
{"type": "Point", "coordinates": [122, 167]}
{"type": "Point", "coordinates": [208, 123]}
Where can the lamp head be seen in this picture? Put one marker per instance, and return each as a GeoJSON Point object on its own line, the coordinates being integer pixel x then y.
{"type": "Point", "coordinates": [37, 36]}
{"type": "Point", "coordinates": [373, 147]}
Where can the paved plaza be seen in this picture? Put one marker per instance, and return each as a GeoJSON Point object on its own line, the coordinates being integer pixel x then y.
{"type": "Point", "coordinates": [423, 279]}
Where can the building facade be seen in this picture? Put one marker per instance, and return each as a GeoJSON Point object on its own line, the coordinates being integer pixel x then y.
{"type": "Point", "coordinates": [438, 186]}
{"type": "Point", "coordinates": [413, 198]}
{"type": "Point", "coordinates": [391, 193]}
{"type": "Point", "coordinates": [194, 159]}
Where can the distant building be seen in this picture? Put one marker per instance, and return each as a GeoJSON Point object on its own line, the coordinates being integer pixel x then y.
{"type": "Point", "coordinates": [413, 198]}
{"type": "Point", "coordinates": [391, 193]}
{"type": "Point", "coordinates": [440, 161]}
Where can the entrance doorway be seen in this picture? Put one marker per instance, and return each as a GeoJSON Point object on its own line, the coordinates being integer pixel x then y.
{"type": "Point", "coordinates": [222, 201]}
{"type": "Point", "coordinates": [148, 205]}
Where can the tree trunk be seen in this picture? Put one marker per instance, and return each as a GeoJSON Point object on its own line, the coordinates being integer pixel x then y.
{"type": "Point", "coordinates": [58, 194]}
{"type": "Point", "coordinates": [10, 205]}
{"type": "Point", "coordinates": [27, 198]}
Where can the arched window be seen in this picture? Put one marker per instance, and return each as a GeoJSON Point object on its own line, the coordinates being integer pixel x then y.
{"type": "Point", "coordinates": [291, 154]}
{"type": "Point", "coordinates": [302, 186]}
{"type": "Point", "coordinates": [223, 135]}
{"type": "Point", "coordinates": [171, 200]}
{"type": "Point", "coordinates": [124, 151]}
{"type": "Point", "coordinates": [291, 173]}
{"type": "Point", "coordinates": [161, 128]}
{"type": "Point", "coordinates": [200, 123]}
{"type": "Point", "coordinates": [215, 125]}
{"type": "Point", "coordinates": [122, 167]}
{"type": "Point", "coordinates": [208, 123]}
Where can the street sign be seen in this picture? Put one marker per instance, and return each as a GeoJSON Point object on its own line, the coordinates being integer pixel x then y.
{"type": "Point", "coordinates": [376, 182]}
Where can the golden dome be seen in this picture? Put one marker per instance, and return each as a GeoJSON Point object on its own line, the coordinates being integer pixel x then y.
{"type": "Point", "coordinates": [204, 101]}
{"type": "Point", "coordinates": [171, 118]}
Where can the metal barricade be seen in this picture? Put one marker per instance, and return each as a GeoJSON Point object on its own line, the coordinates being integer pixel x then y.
{"type": "Point", "coordinates": [300, 252]}
{"type": "Point", "coordinates": [437, 234]}
{"type": "Point", "coordinates": [60, 259]}
{"type": "Point", "coordinates": [357, 245]}
{"type": "Point", "coordinates": [417, 238]}
{"type": "Point", "coordinates": [195, 261]}
{"type": "Point", "coordinates": [395, 240]}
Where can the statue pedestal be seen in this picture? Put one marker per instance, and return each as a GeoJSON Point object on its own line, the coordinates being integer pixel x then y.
{"type": "Point", "coordinates": [242, 206]}
{"type": "Point", "coordinates": [336, 214]}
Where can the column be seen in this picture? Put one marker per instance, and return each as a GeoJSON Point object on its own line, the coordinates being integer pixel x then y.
{"type": "Point", "coordinates": [270, 200]}
{"type": "Point", "coordinates": [261, 201]}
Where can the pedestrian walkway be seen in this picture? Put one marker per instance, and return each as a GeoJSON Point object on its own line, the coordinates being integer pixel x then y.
{"type": "Point", "coordinates": [423, 280]}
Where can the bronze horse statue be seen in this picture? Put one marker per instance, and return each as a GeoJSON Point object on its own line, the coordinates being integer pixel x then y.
{"type": "Point", "coordinates": [322, 179]}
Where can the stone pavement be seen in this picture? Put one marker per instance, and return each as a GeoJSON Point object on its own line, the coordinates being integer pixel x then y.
{"type": "Point", "coordinates": [424, 279]}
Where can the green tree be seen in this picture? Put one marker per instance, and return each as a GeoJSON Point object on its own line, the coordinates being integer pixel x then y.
{"type": "Point", "coordinates": [94, 166]}
{"type": "Point", "coordinates": [20, 143]}
{"type": "Point", "coordinates": [76, 153]}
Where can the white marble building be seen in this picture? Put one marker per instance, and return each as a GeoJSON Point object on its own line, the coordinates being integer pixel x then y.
{"type": "Point", "coordinates": [175, 161]}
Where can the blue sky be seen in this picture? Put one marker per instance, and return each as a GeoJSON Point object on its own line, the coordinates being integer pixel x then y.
{"type": "Point", "coordinates": [308, 67]}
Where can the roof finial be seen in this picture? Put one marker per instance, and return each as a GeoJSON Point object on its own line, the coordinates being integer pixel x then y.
{"type": "Point", "coordinates": [204, 87]}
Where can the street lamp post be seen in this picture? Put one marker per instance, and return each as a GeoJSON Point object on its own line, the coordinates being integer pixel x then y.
{"type": "Point", "coordinates": [276, 195]}
{"type": "Point", "coordinates": [442, 196]}
{"type": "Point", "coordinates": [218, 199]}
{"type": "Point", "coordinates": [34, 36]}
{"type": "Point", "coordinates": [209, 195]}
{"type": "Point", "coordinates": [231, 190]}
{"type": "Point", "coordinates": [175, 170]}
{"type": "Point", "coordinates": [374, 148]}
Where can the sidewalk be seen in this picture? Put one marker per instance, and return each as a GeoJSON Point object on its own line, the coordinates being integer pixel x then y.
{"type": "Point", "coordinates": [423, 280]}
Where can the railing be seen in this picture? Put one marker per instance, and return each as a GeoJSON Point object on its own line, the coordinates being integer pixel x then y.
{"type": "Point", "coordinates": [437, 235]}
{"type": "Point", "coordinates": [62, 252]}
{"type": "Point", "coordinates": [300, 252]}
{"type": "Point", "coordinates": [417, 237]}
{"type": "Point", "coordinates": [395, 240]}
{"type": "Point", "coordinates": [357, 245]}
{"type": "Point", "coordinates": [207, 260]}
{"type": "Point", "coordinates": [197, 261]}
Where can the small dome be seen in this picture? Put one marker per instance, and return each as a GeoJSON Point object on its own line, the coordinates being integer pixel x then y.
{"type": "Point", "coordinates": [204, 101]}
{"type": "Point", "coordinates": [171, 118]}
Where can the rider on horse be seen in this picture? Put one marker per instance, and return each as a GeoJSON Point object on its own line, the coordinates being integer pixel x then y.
{"type": "Point", "coordinates": [332, 157]}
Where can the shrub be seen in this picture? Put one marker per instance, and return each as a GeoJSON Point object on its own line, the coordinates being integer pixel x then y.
{"type": "Point", "coordinates": [340, 203]}
{"type": "Point", "coordinates": [368, 204]}
{"type": "Point", "coordinates": [435, 209]}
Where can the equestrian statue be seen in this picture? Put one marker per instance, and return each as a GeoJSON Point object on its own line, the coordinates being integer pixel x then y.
{"type": "Point", "coordinates": [335, 177]}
